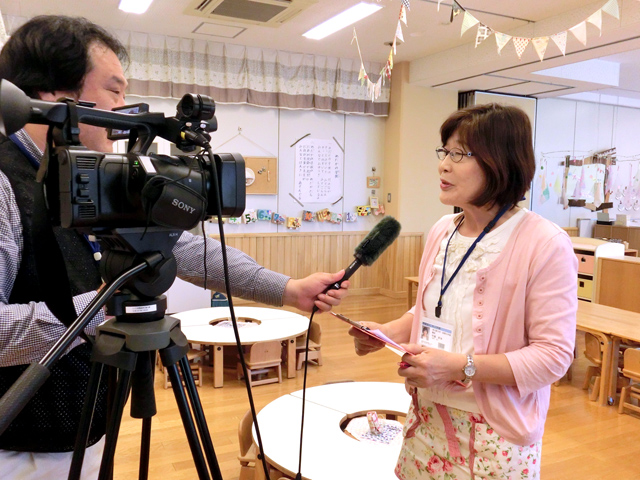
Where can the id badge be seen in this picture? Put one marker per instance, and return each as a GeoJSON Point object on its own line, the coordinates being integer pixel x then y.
{"type": "Point", "coordinates": [436, 334]}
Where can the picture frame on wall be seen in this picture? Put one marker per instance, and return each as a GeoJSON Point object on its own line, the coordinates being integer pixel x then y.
{"type": "Point", "coordinates": [373, 182]}
{"type": "Point", "coordinates": [373, 202]}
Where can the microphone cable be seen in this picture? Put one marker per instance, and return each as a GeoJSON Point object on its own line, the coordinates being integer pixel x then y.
{"type": "Point", "coordinates": [304, 394]}
{"type": "Point", "coordinates": [218, 199]}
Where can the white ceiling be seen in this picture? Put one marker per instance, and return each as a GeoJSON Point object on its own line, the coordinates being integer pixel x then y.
{"type": "Point", "coordinates": [439, 56]}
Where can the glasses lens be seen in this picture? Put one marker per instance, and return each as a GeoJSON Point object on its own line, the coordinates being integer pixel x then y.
{"type": "Point", "coordinates": [455, 156]}
{"type": "Point", "coordinates": [441, 153]}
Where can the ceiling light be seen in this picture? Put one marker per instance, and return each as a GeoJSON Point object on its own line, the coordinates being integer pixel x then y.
{"type": "Point", "coordinates": [134, 6]}
{"type": "Point", "coordinates": [342, 20]}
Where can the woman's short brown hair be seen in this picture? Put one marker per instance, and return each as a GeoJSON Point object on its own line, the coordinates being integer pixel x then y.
{"type": "Point", "coordinates": [500, 139]}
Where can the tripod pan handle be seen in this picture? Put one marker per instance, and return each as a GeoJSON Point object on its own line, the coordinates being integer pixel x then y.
{"type": "Point", "coordinates": [14, 400]}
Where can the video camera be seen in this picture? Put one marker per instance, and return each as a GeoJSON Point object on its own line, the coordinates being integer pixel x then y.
{"type": "Point", "coordinates": [100, 191]}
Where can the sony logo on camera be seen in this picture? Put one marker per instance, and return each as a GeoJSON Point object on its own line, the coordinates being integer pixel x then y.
{"type": "Point", "coordinates": [183, 206]}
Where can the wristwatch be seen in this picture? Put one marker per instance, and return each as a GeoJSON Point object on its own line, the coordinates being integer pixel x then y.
{"type": "Point", "coordinates": [469, 370]}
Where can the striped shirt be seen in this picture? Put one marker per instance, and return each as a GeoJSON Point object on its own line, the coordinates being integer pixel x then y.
{"type": "Point", "coordinates": [28, 331]}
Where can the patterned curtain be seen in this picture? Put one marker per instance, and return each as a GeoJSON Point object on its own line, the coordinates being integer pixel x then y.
{"type": "Point", "coordinates": [170, 67]}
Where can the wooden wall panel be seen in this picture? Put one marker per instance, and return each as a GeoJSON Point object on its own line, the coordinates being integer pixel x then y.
{"type": "Point", "coordinates": [301, 254]}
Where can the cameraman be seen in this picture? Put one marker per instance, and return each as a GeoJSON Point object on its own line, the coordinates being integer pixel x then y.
{"type": "Point", "coordinates": [51, 57]}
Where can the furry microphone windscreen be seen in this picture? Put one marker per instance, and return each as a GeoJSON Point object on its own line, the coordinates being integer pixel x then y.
{"type": "Point", "coordinates": [378, 239]}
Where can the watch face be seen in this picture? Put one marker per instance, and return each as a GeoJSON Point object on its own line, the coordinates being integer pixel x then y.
{"type": "Point", "coordinates": [469, 370]}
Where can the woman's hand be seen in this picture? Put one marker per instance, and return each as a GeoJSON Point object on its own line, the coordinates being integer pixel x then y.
{"type": "Point", "coordinates": [431, 366]}
{"type": "Point", "coordinates": [366, 343]}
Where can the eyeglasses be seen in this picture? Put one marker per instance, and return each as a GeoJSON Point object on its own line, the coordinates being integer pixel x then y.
{"type": "Point", "coordinates": [456, 156]}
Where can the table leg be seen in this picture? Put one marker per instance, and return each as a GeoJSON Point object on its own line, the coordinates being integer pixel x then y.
{"type": "Point", "coordinates": [613, 370]}
{"type": "Point", "coordinates": [218, 364]}
{"type": "Point", "coordinates": [291, 357]}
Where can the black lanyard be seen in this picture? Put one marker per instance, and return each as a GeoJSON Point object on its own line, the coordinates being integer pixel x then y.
{"type": "Point", "coordinates": [487, 229]}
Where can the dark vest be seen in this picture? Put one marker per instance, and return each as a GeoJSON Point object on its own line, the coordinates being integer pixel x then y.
{"type": "Point", "coordinates": [50, 420]}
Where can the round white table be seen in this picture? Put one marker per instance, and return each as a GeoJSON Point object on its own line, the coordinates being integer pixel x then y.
{"type": "Point", "coordinates": [328, 453]}
{"type": "Point", "coordinates": [272, 325]}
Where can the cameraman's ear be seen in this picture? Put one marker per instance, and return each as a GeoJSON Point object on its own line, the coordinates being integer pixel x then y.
{"type": "Point", "coordinates": [55, 96]}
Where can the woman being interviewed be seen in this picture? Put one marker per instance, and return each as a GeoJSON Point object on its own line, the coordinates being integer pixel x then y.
{"type": "Point", "coordinates": [498, 296]}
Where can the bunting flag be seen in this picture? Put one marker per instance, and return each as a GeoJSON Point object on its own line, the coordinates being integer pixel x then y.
{"type": "Point", "coordinates": [398, 35]}
{"type": "Point", "coordinates": [405, 3]}
{"type": "Point", "coordinates": [501, 40]}
{"type": "Point", "coordinates": [483, 33]}
{"type": "Point", "coordinates": [468, 22]}
{"type": "Point", "coordinates": [362, 74]}
{"type": "Point", "coordinates": [456, 9]}
{"type": "Point", "coordinates": [580, 32]}
{"type": "Point", "coordinates": [540, 44]}
{"type": "Point", "coordinates": [403, 14]}
{"type": "Point", "coordinates": [560, 39]}
{"type": "Point", "coordinates": [596, 19]}
{"type": "Point", "coordinates": [390, 62]}
{"type": "Point", "coordinates": [611, 7]}
{"type": "Point", "coordinates": [521, 44]}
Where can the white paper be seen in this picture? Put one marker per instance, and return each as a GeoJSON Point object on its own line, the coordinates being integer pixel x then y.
{"type": "Point", "coordinates": [318, 171]}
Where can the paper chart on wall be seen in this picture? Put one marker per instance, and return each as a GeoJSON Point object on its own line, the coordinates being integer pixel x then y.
{"type": "Point", "coordinates": [318, 171]}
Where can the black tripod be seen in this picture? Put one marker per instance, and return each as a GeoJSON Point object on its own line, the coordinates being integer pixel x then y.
{"type": "Point", "coordinates": [130, 348]}
{"type": "Point", "coordinates": [128, 344]}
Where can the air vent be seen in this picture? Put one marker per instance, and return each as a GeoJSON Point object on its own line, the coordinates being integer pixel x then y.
{"type": "Point", "coordinates": [271, 13]}
{"type": "Point", "coordinates": [86, 163]}
{"type": "Point", "coordinates": [87, 211]}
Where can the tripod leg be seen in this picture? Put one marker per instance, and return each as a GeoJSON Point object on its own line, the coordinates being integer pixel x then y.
{"type": "Point", "coordinates": [85, 421]}
{"type": "Point", "coordinates": [145, 445]}
{"type": "Point", "coordinates": [187, 421]}
{"type": "Point", "coordinates": [201, 421]}
{"type": "Point", "coordinates": [113, 427]}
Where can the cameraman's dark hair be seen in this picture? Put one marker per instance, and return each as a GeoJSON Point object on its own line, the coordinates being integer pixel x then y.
{"type": "Point", "coordinates": [500, 139]}
{"type": "Point", "coordinates": [51, 53]}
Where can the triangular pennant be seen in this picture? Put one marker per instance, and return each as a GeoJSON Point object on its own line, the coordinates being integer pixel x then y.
{"type": "Point", "coordinates": [611, 7]}
{"type": "Point", "coordinates": [483, 33]}
{"type": "Point", "coordinates": [501, 40]}
{"type": "Point", "coordinates": [403, 14]}
{"type": "Point", "coordinates": [540, 44]}
{"type": "Point", "coordinates": [390, 62]}
{"type": "Point", "coordinates": [596, 19]}
{"type": "Point", "coordinates": [560, 39]}
{"type": "Point", "coordinates": [394, 44]}
{"type": "Point", "coordinates": [456, 9]}
{"type": "Point", "coordinates": [468, 22]}
{"type": "Point", "coordinates": [362, 74]}
{"type": "Point", "coordinates": [399, 33]}
{"type": "Point", "coordinates": [406, 4]}
{"type": "Point", "coordinates": [580, 32]}
{"type": "Point", "coordinates": [521, 44]}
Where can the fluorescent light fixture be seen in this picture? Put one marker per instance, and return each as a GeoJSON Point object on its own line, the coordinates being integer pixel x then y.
{"type": "Point", "coordinates": [134, 6]}
{"type": "Point", "coordinates": [342, 20]}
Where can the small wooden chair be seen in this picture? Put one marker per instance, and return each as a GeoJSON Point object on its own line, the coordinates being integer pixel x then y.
{"type": "Point", "coordinates": [260, 359]}
{"type": "Point", "coordinates": [248, 449]}
{"type": "Point", "coordinates": [314, 354]}
{"type": "Point", "coordinates": [195, 365]}
{"type": "Point", "coordinates": [593, 353]}
{"type": "Point", "coordinates": [631, 370]}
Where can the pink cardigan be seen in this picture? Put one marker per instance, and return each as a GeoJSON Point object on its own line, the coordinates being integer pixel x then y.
{"type": "Point", "coordinates": [525, 306]}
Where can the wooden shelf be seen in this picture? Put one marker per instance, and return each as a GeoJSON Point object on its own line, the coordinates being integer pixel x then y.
{"type": "Point", "coordinates": [588, 251]}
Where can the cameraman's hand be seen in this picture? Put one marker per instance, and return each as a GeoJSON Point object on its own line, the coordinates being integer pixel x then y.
{"type": "Point", "coordinates": [306, 292]}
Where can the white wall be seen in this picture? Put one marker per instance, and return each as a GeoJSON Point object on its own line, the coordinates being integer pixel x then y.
{"type": "Point", "coordinates": [568, 127]}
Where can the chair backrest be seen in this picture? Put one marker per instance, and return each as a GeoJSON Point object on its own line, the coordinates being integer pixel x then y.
{"type": "Point", "coordinates": [592, 349]}
{"type": "Point", "coordinates": [632, 362]}
{"type": "Point", "coordinates": [316, 333]}
{"type": "Point", "coordinates": [244, 433]}
{"type": "Point", "coordinates": [264, 352]}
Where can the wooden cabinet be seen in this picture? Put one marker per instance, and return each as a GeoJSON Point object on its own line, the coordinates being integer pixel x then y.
{"type": "Point", "coordinates": [618, 282]}
{"type": "Point", "coordinates": [625, 234]}
{"type": "Point", "coordinates": [588, 251]}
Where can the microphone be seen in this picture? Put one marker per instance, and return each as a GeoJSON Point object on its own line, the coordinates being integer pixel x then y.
{"type": "Point", "coordinates": [371, 247]}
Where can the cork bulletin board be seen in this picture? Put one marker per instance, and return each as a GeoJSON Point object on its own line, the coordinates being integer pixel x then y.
{"type": "Point", "coordinates": [262, 175]}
